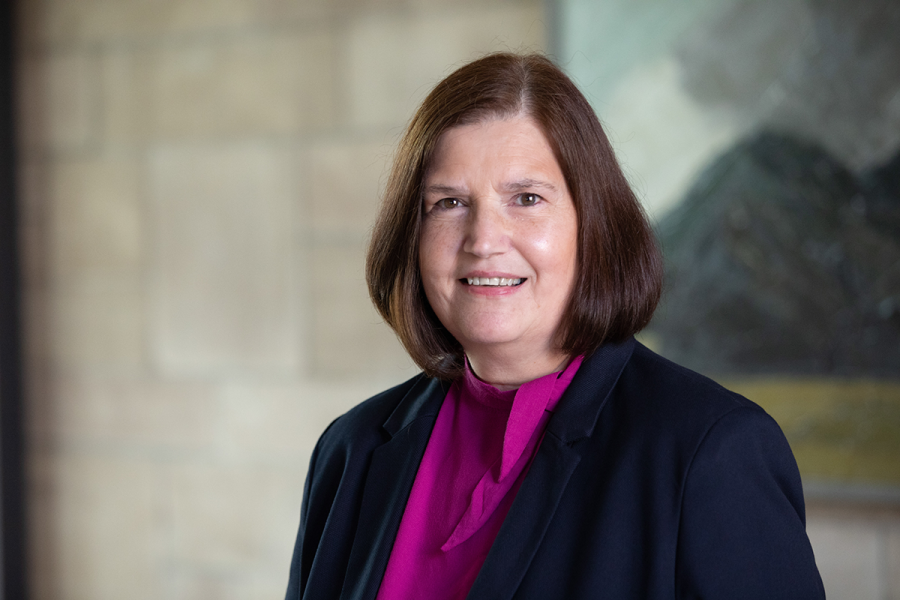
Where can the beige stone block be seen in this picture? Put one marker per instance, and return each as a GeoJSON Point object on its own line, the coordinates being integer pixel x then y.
{"type": "Point", "coordinates": [90, 20]}
{"type": "Point", "coordinates": [127, 90]}
{"type": "Point", "coordinates": [350, 340]}
{"type": "Point", "coordinates": [97, 323]}
{"type": "Point", "coordinates": [95, 216]}
{"type": "Point", "coordinates": [115, 20]}
{"type": "Point", "coordinates": [444, 4]}
{"type": "Point", "coordinates": [43, 552]}
{"type": "Point", "coordinates": [32, 189]}
{"type": "Point", "coordinates": [108, 528]}
{"type": "Point", "coordinates": [223, 281]}
{"type": "Point", "coordinates": [395, 59]}
{"type": "Point", "coordinates": [848, 554]}
{"type": "Point", "coordinates": [39, 404]}
{"type": "Point", "coordinates": [57, 100]}
{"type": "Point", "coordinates": [134, 413]}
{"type": "Point", "coordinates": [200, 15]}
{"type": "Point", "coordinates": [203, 584]}
{"type": "Point", "coordinates": [368, 7]}
{"type": "Point", "coordinates": [274, 84]}
{"type": "Point", "coordinates": [266, 422]}
{"type": "Point", "coordinates": [34, 243]}
{"type": "Point", "coordinates": [283, 421]}
{"type": "Point", "coordinates": [30, 21]}
{"type": "Point", "coordinates": [35, 247]}
{"type": "Point", "coordinates": [893, 558]}
{"type": "Point", "coordinates": [346, 181]}
{"type": "Point", "coordinates": [34, 307]}
{"type": "Point", "coordinates": [237, 517]}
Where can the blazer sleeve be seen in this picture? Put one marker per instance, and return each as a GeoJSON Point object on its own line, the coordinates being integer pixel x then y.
{"type": "Point", "coordinates": [309, 533]}
{"type": "Point", "coordinates": [742, 531]}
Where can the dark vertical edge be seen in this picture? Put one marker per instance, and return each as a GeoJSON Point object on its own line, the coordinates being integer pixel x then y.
{"type": "Point", "coordinates": [553, 20]}
{"type": "Point", "coordinates": [12, 440]}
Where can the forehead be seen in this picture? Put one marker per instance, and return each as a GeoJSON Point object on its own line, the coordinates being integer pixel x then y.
{"type": "Point", "coordinates": [516, 144]}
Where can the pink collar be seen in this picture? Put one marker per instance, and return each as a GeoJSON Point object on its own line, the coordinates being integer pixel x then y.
{"type": "Point", "coordinates": [529, 404]}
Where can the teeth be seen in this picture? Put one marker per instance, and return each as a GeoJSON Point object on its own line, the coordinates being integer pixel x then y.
{"type": "Point", "coordinates": [495, 281]}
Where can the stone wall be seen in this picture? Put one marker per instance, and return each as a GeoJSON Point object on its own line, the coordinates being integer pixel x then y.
{"type": "Point", "coordinates": [857, 548]}
{"type": "Point", "coordinates": [198, 180]}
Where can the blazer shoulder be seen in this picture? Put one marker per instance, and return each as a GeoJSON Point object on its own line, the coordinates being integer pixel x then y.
{"type": "Point", "coordinates": [374, 420]}
{"type": "Point", "coordinates": [336, 483]}
{"type": "Point", "coordinates": [663, 404]}
{"type": "Point", "coordinates": [676, 388]}
{"type": "Point", "coordinates": [369, 416]}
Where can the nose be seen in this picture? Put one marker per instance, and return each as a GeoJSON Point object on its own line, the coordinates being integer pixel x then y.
{"type": "Point", "coordinates": [487, 232]}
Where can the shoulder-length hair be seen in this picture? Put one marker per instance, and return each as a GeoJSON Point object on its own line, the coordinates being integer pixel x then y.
{"type": "Point", "coordinates": [619, 271]}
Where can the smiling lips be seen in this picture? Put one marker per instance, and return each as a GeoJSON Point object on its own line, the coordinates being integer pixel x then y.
{"type": "Point", "coordinates": [494, 281]}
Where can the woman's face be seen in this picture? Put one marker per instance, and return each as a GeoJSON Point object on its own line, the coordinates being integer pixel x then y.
{"type": "Point", "coordinates": [498, 250]}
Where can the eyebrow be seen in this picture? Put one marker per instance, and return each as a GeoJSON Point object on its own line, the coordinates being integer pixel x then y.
{"type": "Point", "coordinates": [527, 184]}
{"type": "Point", "coordinates": [512, 186]}
{"type": "Point", "coordinates": [447, 190]}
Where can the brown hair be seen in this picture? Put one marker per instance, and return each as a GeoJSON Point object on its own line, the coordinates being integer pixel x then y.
{"type": "Point", "coordinates": [619, 274]}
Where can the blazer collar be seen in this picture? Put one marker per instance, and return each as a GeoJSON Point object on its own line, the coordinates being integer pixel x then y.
{"type": "Point", "coordinates": [423, 399]}
{"type": "Point", "coordinates": [395, 463]}
{"type": "Point", "coordinates": [575, 416]}
{"type": "Point", "coordinates": [390, 477]}
{"type": "Point", "coordinates": [548, 476]}
{"type": "Point", "coordinates": [579, 408]}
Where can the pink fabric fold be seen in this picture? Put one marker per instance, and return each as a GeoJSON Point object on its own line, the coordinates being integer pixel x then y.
{"type": "Point", "coordinates": [530, 404]}
{"type": "Point", "coordinates": [527, 409]}
{"type": "Point", "coordinates": [480, 448]}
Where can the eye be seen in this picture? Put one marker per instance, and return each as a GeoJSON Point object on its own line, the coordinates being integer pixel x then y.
{"type": "Point", "coordinates": [447, 203]}
{"type": "Point", "coordinates": [527, 199]}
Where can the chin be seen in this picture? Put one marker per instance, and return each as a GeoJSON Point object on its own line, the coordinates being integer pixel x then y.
{"type": "Point", "coordinates": [484, 339]}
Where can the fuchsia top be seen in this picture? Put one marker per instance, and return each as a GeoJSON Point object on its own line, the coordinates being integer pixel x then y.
{"type": "Point", "coordinates": [477, 456]}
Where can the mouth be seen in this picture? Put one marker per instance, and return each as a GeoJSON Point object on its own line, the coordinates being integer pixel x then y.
{"type": "Point", "coordinates": [493, 281]}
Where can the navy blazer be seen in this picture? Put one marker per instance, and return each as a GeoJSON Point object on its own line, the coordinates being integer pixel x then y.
{"type": "Point", "coordinates": [651, 482]}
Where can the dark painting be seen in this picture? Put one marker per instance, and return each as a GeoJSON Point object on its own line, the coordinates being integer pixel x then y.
{"type": "Point", "coordinates": [782, 232]}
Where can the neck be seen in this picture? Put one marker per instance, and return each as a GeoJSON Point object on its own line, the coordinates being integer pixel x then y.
{"type": "Point", "coordinates": [509, 372]}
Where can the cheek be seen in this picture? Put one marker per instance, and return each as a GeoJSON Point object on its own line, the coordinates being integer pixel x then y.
{"type": "Point", "coordinates": [542, 244]}
{"type": "Point", "coordinates": [570, 251]}
{"type": "Point", "coordinates": [428, 254]}
{"type": "Point", "coordinates": [436, 251]}
{"type": "Point", "coordinates": [558, 248]}
{"type": "Point", "coordinates": [431, 268]}
{"type": "Point", "coordinates": [435, 266]}
{"type": "Point", "coordinates": [554, 245]}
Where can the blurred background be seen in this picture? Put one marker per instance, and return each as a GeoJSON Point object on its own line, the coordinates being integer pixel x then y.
{"type": "Point", "coordinates": [196, 184]}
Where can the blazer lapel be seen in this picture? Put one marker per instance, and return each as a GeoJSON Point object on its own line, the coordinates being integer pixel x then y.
{"type": "Point", "coordinates": [389, 481]}
{"type": "Point", "coordinates": [558, 456]}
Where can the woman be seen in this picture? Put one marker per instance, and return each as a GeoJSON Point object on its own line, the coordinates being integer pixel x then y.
{"type": "Point", "coordinates": [543, 453]}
